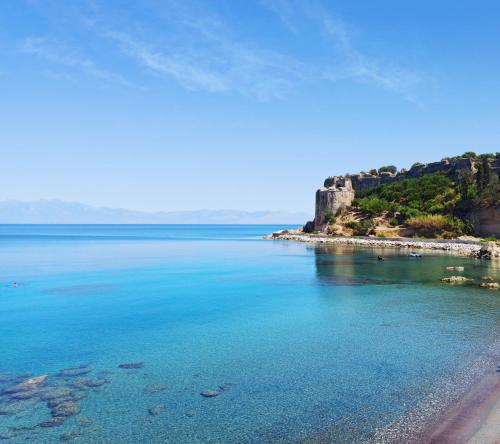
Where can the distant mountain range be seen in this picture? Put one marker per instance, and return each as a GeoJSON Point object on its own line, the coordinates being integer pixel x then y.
{"type": "Point", "coordinates": [60, 212]}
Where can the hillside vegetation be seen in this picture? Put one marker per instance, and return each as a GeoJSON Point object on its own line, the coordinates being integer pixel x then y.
{"type": "Point", "coordinates": [433, 205]}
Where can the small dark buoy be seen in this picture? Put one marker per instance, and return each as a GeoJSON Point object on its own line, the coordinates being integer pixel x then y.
{"type": "Point", "coordinates": [14, 284]}
{"type": "Point", "coordinates": [380, 258]}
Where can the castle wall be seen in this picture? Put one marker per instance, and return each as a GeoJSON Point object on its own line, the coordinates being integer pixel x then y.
{"type": "Point", "coordinates": [330, 200]}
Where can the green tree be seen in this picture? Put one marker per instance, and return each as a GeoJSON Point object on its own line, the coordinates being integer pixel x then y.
{"type": "Point", "coordinates": [388, 169]}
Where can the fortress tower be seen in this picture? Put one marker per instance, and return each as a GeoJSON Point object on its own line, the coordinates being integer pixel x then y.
{"type": "Point", "coordinates": [335, 195]}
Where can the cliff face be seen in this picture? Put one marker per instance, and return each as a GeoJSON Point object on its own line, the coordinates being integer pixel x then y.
{"type": "Point", "coordinates": [486, 221]}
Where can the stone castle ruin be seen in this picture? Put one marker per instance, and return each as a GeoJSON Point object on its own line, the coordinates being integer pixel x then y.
{"type": "Point", "coordinates": [338, 192]}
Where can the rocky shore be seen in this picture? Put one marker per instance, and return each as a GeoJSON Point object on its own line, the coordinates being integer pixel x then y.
{"type": "Point", "coordinates": [486, 250]}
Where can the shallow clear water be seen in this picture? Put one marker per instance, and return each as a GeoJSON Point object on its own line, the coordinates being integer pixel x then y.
{"type": "Point", "coordinates": [308, 338]}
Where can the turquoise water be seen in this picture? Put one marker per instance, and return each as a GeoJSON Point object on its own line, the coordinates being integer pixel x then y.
{"type": "Point", "coordinates": [302, 339]}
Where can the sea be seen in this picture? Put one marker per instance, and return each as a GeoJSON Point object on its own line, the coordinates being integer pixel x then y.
{"type": "Point", "coordinates": [212, 334]}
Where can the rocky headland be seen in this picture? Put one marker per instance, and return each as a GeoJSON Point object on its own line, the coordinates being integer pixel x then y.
{"type": "Point", "coordinates": [471, 248]}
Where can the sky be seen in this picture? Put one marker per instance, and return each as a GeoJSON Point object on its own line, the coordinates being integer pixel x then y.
{"type": "Point", "coordinates": [180, 105]}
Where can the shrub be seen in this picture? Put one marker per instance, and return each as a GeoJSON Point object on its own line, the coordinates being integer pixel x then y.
{"type": "Point", "coordinates": [373, 205]}
{"type": "Point", "coordinates": [330, 218]}
{"type": "Point", "coordinates": [469, 155]}
{"type": "Point", "coordinates": [352, 224]}
{"type": "Point", "coordinates": [437, 225]}
{"type": "Point", "coordinates": [361, 228]}
{"type": "Point", "coordinates": [432, 191]}
{"type": "Point", "coordinates": [393, 222]}
{"type": "Point", "coordinates": [490, 239]}
{"type": "Point", "coordinates": [389, 169]}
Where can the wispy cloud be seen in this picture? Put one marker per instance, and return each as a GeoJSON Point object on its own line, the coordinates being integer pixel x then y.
{"type": "Point", "coordinates": [181, 67]}
{"type": "Point", "coordinates": [346, 61]}
{"type": "Point", "coordinates": [191, 44]}
{"type": "Point", "coordinates": [212, 60]}
{"type": "Point", "coordinates": [59, 53]}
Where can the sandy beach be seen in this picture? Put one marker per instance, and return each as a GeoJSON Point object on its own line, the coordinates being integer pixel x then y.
{"type": "Point", "coordinates": [475, 419]}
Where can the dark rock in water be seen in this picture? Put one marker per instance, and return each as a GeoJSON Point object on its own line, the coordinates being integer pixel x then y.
{"type": "Point", "coordinates": [209, 393]}
{"type": "Point", "coordinates": [85, 422]}
{"type": "Point", "coordinates": [155, 388]}
{"type": "Point", "coordinates": [189, 413]}
{"type": "Point", "coordinates": [55, 402]}
{"type": "Point", "coordinates": [53, 422]}
{"type": "Point", "coordinates": [50, 393]}
{"type": "Point", "coordinates": [129, 365]}
{"type": "Point", "coordinates": [68, 408]}
{"type": "Point", "coordinates": [25, 386]}
{"type": "Point", "coordinates": [68, 436]}
{"type": "Point", "coordinates": [78, 395]}
{"type": "Point", "coordinates": [96, 382]}
{"type": "Point", "coordinates": [28, 394]}
{"type": "Point", "coordinates": [156, 409]}
{"type": "Point", "coordinates": [24, 427]}
{"type": "Point", "coordinates": [90, 383]}
{"type": "Point", "coordinates": [226, 386]}
{"type": "Point", "coordinates": [74, 371]}
{"type": "Point", "coordinates": [8, 378]}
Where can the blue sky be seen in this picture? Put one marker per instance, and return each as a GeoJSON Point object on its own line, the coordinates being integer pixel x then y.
{"type": "Point", "coordinates": [179, 105]}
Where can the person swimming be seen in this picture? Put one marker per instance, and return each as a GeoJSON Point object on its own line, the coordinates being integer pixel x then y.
{"type": "Point", "coordinates": [380, 258]}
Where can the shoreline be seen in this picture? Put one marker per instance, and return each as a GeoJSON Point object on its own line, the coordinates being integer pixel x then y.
{"type": "Point", "coordinates": [475, 419]}
{"type": "Point", "coordinates": [470, 413]}
{"type": "Point", "coordinates": [456, 247]}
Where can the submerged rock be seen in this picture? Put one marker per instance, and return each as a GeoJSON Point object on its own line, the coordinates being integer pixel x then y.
{"type": "Point", "coordinates": [209, 393]}
{"type": "Point", "coordinates": [488, 278]}
{"type": "Point", "coordinates": [55, 402]}
{"type": "Point", "coordinates": [156, 409]}
{"type": "Point", "coordinates": [151, 389]}
{"type": "Point", "coordinates": [226, 386]}
{"type": "Point", "coordinates": [455, 279]}
{"type": "Point", "coordinates": [9, 434]}
{"type": "Point", "coordinates": [74, 371]}
{"type": "Point", "coordinates": [53, 422]}
{"type": "Point", "coordinates": [55, 392]}
{"type": "Point", "coordinates": [28, 394]}
{"type": "Point", "coordinates": [189, 413]}
{"type": "Point", "coordinates": [85, 422]}
{"type": "Point", "coordinates": [90, 383]}
{"type": "Point", "coordinates": [14, 407]}
{"type": "Point", "coordinates": [68, 436]}
{"type": "Point", "coordinates": [129, 365]}
{"type": "Point", "coordinates": [67, 408]}
{"type": "Point", "coordinates": [25, 386]}
{"type": "Point", "coordinates": [36, 381]}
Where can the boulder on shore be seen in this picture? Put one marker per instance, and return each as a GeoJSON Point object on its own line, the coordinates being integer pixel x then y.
{"type": "Point", "coordinates": [491, 285]}
{"type": "Point", "coordinates": [455, 279]}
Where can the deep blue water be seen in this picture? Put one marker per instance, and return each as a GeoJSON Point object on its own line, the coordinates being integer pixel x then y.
{"type": "Point", "coordinates": [306, 338]}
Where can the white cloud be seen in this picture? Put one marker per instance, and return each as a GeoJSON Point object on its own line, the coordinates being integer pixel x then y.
{"type": "Point", "coordinates": [57, 52]}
